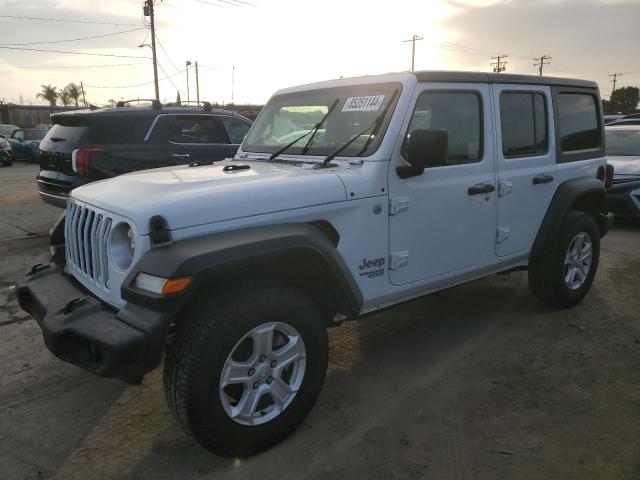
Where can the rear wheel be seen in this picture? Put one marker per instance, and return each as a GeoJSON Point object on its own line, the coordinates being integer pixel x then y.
{"type": "Point", "coordinates": [244, 369]}
{"type": "Point", "coordinates": [562, 277]}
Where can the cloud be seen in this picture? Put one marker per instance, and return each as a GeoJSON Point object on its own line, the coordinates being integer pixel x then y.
{"type": "Point", "coordinates": [586, 38]}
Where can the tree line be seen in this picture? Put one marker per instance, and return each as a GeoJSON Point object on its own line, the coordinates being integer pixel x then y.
{"type": "Point", "coordinates": [69, 95]}
{"type": "Point", "coordinates": [622, 101]}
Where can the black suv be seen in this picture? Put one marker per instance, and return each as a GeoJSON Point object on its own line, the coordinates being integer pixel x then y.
{"type": "Point", "coordinates": [87, 145]}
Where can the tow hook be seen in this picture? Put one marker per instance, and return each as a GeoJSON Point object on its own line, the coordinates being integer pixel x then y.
{"type": "Point", "coordinates": [70, 306]}
{"type": "Point", "coordinates": [38, 267]}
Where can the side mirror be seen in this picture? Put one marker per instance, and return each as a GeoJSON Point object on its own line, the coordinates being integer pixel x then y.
{"type": "Point", "coordinates": [425, 148]}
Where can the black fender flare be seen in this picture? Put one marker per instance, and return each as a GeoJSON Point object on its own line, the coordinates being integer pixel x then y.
{"type": "Point", "coordinates": [219, 253]}
{"type": "Point", "coordinates": [564, 197]}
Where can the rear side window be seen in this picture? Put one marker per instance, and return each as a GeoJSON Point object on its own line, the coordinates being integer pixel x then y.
{"type": "Point", "coordinates": [578, 122]}
{"type": "Point", "coordinates": [118, 130]}
{"type": "Point", "coordinates": [236, 128]}
{"type": "Point", "coordinates": [199, 129]}
{"type": "Point", "coordinates": [69, 134]}
{"type": "Point", "coordinates": [460, 114]}
{"type": "Point", "coordinates": [523, 118]}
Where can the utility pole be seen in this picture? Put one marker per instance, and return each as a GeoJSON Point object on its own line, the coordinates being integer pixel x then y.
{"type": "Point", "coordinates": [615, 79]}
{"type": "Point", "coordinates": [413, 40]}
{"type": "Point", "coordinates": [186, 64]}
{"type": "Point", "coordinates": [84, 98]}
{"type": "Point", "coordinates": [233, 80]}
{"type": "Point", "coordinates": [148, 12]}
{"type": "Point", "coordinates": [541, 62]}
{"type": "Point", "coordinates": [197, 84]}
{"type": "Point", "coordinates": [499, 65]}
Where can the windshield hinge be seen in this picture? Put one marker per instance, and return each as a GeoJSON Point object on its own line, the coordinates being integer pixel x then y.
{"type": "Point", "coordinates": [398, 204]}
{"type": "Point", "coordinates": [398, 259]}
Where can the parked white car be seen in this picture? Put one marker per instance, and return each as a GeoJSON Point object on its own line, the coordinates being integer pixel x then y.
{"type": "Point", "coordinates": [623, 153]}
{"type": "Point", "coordinates": [345, 198]}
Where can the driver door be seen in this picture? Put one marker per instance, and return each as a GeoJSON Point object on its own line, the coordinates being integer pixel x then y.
{"type": "Point", "coordinates": [443, 222]}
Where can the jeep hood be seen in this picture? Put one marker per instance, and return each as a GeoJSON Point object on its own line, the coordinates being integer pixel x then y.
{"type": "Point", "coordinates": [625, 165]}
{"type": "Point", "coordinates": [188, 196]}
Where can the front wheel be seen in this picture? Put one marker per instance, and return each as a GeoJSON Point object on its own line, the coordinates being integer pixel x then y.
{"type": "Point", "coordinates": [245, 368]}
{"type": "Point", "coordinates": [563, 277]}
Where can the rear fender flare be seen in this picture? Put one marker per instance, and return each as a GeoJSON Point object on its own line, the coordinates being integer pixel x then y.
{"type": "Point", "coordinates": [568, 195]}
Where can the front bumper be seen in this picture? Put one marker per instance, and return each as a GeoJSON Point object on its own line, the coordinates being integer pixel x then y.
{"type": "Point", "coordinates": [80, 329]}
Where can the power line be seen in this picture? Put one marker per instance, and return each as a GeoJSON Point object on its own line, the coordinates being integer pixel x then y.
{"type": "Point", "coordinates": [166, 54]}
{"type": "Point", "coordinates": [170, 79]}
{"type": "Point", "coordinates": [40, 67]}
{"type": "Point", "coordinates": [74, 53]}
{"type": "Point", "coordinates": [69, 21]}
{"type": "Point", "coordinates": [76, 39]}
{"type": "Point", "coordinates": [136, 85]}
{"type": "Point", "coordinates": [222, 3]}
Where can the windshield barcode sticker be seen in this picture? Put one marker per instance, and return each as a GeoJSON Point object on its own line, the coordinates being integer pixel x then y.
{"type": "Point", "coordinates": [369, 103]}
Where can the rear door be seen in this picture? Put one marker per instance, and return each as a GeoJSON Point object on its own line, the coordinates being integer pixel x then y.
{"type": "Point", "coordinates": [526, 163]}
{"type": "Point", "coordinates": [198, 138]}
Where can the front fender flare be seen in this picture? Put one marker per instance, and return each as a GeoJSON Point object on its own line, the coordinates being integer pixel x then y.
{"type": "Point", "coordinates": [205, 256]}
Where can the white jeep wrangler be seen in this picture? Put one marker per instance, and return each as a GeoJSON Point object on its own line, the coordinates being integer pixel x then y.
{"type": "Point", "coordinates": [346, 197]}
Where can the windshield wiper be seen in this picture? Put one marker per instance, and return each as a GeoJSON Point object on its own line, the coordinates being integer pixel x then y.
{"type": "Point", "coordinates": [374, 127]}
{"type": "Point", "coordinates": [313, 131]}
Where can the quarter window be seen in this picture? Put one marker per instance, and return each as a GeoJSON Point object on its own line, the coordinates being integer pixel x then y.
{"type": "Point", "coordinates": [578, 122]}
{"type": "Point", "coordinates": [460, 114]}
{"type": "Point", "coordinates": [199, 129]}
{"type": "Point", "coordinates": [523, 119]}
{"type": "Point", "coordinates": [236, 129]}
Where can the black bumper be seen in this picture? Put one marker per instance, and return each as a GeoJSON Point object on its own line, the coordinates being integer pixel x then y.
{"type": "Point", "coordinates": [80, 329]}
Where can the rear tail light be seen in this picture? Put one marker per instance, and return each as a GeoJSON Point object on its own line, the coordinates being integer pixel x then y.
{"type": "Point", "coordinates": [80, 158]}
{"type": "Point", "coordinates": [605, 175]}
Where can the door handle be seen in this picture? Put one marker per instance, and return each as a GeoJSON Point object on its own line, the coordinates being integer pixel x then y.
{"type": "Point", "coordinates": [480, 188]}
{"type": "Point", "coordinates": [544, 178]}
{"type": "Point", "coordinates": [180, 155]}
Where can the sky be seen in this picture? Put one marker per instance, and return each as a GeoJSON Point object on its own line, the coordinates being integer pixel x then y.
{"type": "Point", "coordinates": [248, 49]}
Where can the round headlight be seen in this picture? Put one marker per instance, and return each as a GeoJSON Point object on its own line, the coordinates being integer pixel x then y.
{"type": "Point", "coordinates": [122, 246]}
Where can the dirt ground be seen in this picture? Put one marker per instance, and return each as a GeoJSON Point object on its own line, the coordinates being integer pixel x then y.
{"type": "Point", "coordinates": [479, 381]}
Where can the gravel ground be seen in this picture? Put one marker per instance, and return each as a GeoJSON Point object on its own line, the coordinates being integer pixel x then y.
{"type": "Point", "coordinates": [479, 381]}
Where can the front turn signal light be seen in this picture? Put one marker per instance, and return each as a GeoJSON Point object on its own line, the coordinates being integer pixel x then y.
{"type": "Point", "coordinates": [161, 285]}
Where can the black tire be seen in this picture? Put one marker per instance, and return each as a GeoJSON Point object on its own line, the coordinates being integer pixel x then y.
{"type": "Point", "coordinates": [209, 330]}
{"type": "Point", "coordinates": [547, 272]}
{"type": "Point", "coordinates": [7, 163]}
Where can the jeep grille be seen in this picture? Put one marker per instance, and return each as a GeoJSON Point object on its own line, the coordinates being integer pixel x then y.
{"type": "Point", "coordinates": [86, 235]}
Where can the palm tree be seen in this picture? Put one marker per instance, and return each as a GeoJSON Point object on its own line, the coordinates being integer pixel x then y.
{"type": "Point", "coordinates": [49, 94]}
{"type": "Point", "coordinates": [74, 92]}
{"type": "Point", "coordinates": [64, 97]}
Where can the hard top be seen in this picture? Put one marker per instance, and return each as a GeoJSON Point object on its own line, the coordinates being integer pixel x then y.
{"type": "Point", "coordinates": [443, 76]}
{"type": "Point", "coordinates": [484, 77]}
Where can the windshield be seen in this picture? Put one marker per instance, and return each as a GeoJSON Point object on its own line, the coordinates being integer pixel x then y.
{"type": "Point", "coordinates": [623, 142]}
{"type": "Point", "coordinates": [34, 134]}
{"type": "Point", "coordinates": [290, 116]}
